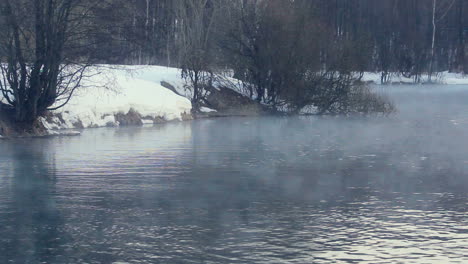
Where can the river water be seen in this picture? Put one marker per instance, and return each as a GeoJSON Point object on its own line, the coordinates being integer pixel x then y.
{"type": "Point", "coordinates": [247, 190]}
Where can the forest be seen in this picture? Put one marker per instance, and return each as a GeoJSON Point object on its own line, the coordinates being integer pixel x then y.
{"type": "Point", "coordinates": [406, 36]}
{"type": "Point", "coordinates": [290, 54]}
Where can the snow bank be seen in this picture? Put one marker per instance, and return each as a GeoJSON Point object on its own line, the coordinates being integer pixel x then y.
{"type": "Point", "coordinates": [112, 90]}
{"type": "Point", "coordinates": [119, 89]}
{"type": "Point", "coordinates": [442, 78]}
{"type": "Point", "coordinates": [158, 74]}
{"type": "Point", "coordinates": [455, 78]}
{"type": "Point", "coordinates": [204, 109]}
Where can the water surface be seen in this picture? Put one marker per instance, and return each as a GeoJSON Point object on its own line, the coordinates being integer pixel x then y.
{"type": "Point", "coordinates": [247, 190]}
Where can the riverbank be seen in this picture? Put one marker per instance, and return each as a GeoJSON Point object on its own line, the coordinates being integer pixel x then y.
{"type": "Point", "coordinates": [112, 96]}
{"type": "Point", "coordinates": [445, 78]}
{"type": "Point", "coordinates": [134, 96]}
{"type": "Point", "coordinates": [145, 95]}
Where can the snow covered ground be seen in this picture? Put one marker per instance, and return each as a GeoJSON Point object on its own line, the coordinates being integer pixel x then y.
{"type": "Point", "coordinates": [172, 76]}
{"type": "Point", "coordinates": [442, 78]}
{"type": "Point", "coordinates": [119, 89]}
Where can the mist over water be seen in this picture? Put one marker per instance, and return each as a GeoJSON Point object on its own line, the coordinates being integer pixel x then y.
{"type": "Point", "coordinates": [247, 190]}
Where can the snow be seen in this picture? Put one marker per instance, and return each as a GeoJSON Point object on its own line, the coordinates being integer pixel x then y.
{"type": "Point", "coordinates": [442, 78]}
{"type": "Point", "coordinates": [158, 74]}
{"type": "Point", "coordinates": [147, 122]}
{"type": "Point", "coordinates": [455, 78]}
{"type": "Point", "coordinates": [118, 89]}
{"type": "Point", "coordinates": [309, 110]}
{"type": "Point", "coordinates": [204, 109]}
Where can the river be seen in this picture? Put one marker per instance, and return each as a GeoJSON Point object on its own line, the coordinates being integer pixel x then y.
{"type": "Point", "coordinates": [247, 190]}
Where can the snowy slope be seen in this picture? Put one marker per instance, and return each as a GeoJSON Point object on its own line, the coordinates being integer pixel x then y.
{"type": "Point", "coordinates": [157, 74]}
{"type": "Point", "coordinates": [172, 76]}
{"type": "Point", "coordinates": [117, 91]}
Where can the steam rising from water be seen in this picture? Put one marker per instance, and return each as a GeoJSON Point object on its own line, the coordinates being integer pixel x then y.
{"type": "Point", "coordinates": [247, 190]}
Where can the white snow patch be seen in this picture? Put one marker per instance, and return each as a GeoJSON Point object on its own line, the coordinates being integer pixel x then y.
{"type": "Point", "coordinates": [309, 110]}
{"type": "Point", "coordinates": [204, 109]}
{"type": "Point", "coordinates": [173, 76]}
{"type": "Point", "coordinates": [441, 78]}
{"type": "Point", "coordinates": [119, 89]}
{"type": "Point", "coordinates": [147, 122]}
{"type": "Point", "coordinates": [53, 127]}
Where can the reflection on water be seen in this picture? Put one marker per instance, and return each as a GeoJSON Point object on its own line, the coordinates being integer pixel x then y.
{"type": "Point", "coordinates": [30, 220]}
{"type": "Point", "coordinates": [246, 190]}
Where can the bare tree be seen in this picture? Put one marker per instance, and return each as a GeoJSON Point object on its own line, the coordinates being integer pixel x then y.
{"type": "Point", "coordinates": [195, 19]}
{"type": "Point", "coordinates": [44, 53]}
{"type": "Point", "coordinates": [435, 20]}
{"type": "Point", "coordinates": [294, 60]}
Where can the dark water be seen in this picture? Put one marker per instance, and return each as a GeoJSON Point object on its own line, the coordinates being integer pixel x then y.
{"type": "Point", "coordinates": [247, 190]}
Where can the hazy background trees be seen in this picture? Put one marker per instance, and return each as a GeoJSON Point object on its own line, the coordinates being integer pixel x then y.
{"type": "Point", "coordinates": [406, 37]}
{"type": "Point", "coordinates": [195, 26]}
{"type": "Point", "coordinates": [384, 35]}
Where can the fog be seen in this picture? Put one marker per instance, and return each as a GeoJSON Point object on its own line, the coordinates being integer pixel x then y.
{"type": "Point", "coordinates": [264, 190]}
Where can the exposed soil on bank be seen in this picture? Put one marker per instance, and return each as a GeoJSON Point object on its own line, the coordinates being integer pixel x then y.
{"type": "Point", "coordinates": [227, 102]}
{"type": "Point", "coordinates": [10, 128]}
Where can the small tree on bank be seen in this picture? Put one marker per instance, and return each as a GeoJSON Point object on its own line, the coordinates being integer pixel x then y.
{"type": "Point", "coordinates": [294, 61]}
{"type": "Point", "coordinates": [195, 23]}
{"type": "Point", "coordinates": [43, 53]}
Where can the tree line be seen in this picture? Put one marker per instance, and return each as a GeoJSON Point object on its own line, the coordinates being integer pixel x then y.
{"type": "Point", "coordinates": [403, 36]}
{"type": "Point", "coordinates": [297, 52]}
{"type": "Point", "coordinates": [290, 54]}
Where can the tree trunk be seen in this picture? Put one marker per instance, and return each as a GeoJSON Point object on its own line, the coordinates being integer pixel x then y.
{"type": "Point", "coordinates": [434, 28]}
{"type": "Point", "coordinates": [460, 60]}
